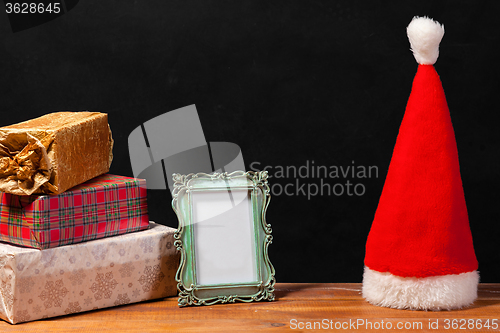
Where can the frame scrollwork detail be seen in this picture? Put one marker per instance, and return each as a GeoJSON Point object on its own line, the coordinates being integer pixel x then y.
{"type": "Point", "coordinates": [190, 291]}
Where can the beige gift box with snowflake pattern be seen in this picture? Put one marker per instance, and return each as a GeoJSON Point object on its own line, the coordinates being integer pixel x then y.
{"type": "Point", "coordinates": [134, 267]}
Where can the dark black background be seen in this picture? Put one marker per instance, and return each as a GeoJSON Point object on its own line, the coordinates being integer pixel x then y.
{"type": "Point", "coordinates": [289, 82]}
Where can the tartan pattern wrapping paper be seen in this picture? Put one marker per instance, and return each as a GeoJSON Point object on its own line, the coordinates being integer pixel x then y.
{"type": "Point", "coordinates": [105, 206]}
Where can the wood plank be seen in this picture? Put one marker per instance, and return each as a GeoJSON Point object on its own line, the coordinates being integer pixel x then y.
{"type": "Point", "coordinates": [314, 305]}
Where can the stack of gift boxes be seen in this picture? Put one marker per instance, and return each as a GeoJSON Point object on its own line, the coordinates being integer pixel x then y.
{"type": "Point", "coordinates": [72, 237]}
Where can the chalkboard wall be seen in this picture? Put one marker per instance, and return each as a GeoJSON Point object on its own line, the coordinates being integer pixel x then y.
{"type": "Point", "coordinates": [296, 84]}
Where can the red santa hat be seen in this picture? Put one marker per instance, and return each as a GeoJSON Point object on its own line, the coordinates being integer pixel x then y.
{"type": "Point", "coordinates": [419, 253]}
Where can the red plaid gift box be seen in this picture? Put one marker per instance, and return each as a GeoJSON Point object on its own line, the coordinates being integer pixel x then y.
{"type": "Point", "coordinates": [105, 206]}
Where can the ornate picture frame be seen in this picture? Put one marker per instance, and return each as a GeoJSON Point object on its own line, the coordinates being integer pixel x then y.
{"type": "Point", "coordinates": [223, 238]}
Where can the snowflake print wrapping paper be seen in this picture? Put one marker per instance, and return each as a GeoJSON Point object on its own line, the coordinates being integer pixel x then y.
{"type": "Point", "coordinates": [36, 284]}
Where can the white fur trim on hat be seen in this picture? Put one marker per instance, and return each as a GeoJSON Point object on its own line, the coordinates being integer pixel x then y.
{"type": "Point", "coordinates": [425, 34]}
{"type": "Point", "coordinates": [444, 292]}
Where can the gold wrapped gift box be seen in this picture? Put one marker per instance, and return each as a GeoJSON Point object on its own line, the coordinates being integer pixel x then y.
{"type": "Point", "coordinates": [53, 153]}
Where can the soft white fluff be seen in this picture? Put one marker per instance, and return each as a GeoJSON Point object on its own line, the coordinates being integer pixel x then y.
{"type": "Point", "coordinates": [446, 292]}
{"type": "Point", "coordinates": [425, 34]}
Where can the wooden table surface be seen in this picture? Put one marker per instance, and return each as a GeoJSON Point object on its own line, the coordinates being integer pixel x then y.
{"type": "Point", "coordinates": [331, 306]}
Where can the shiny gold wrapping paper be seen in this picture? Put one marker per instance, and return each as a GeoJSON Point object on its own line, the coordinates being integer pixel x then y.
{"type": "Point", "coordinates": [53, 153]}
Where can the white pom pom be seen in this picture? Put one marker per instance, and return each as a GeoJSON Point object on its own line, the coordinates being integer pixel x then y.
{"type": "Point", "coordinates": [425, 34]}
